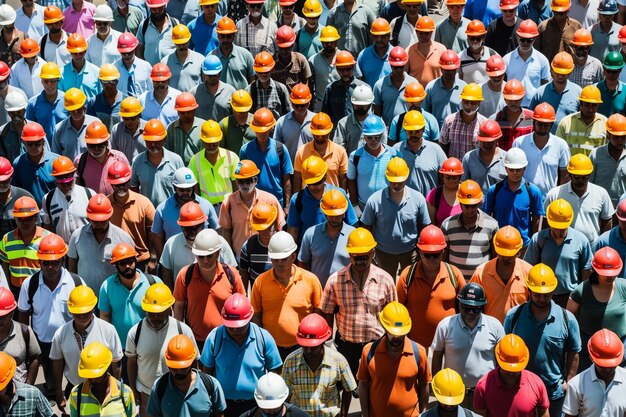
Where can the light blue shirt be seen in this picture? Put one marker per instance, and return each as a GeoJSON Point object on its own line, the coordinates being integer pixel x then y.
{"type": "Point", "coordinates": [138, 73]}
{"type": "Point", "coordinates": [564, 103]}
{"type": "Point", "coordinates": [156, 44]}
{"type": "Point", "coordinates": [530, 72]}
{"type": "Point", "coordinates": [33, 25]}
{"type": "Point", "coordinates": [168, 212]}
{"type": "Point", "coordinates": [431, 130]}
{"type": "Point", "coordinates": [391, 98]}
{"type": "Point", "coordinates": [604, 42]}
{"type": "Point", "coordinates": [442, 102]}
{"type": "Point", "coordinates": [185, 76]}
{"type": "Point", "coordinates": [47, 114]}
{"type": "Point", "coordinates": [193, 403]}
{"type": "Point", "coordinates": [372, 66]}
{"type": "Point", "coordinates": [369, 174]}
{"type": "Point", "coordinates": [423, 166]}
{"type": "Point", "coordinates": [165, 111]}
{"type": "Point", "coordinates": [87, 79]}
{"type": "Point", "coordinates": [612, 238]}
{"type": "Point", "coordinates": [484, 10]}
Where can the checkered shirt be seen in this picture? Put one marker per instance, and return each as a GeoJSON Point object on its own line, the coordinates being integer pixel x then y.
{"type": "Point", "coordinates": [459, 135]}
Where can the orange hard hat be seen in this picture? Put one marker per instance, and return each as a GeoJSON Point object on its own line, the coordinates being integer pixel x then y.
{"type": "Point", "coordinates": [527, 29]}
{"type": "Point", "coordinates": [560, 5]}
{"type": "Point", "coordinates": [449, 60]}
{"type": "Point", "coordinates": [25, 207]}
{"type": "Point", "coordinates": [451, 166]}
{"type": "Point", "coordinates": [263, 62]}
{"type": "Point", "coordinates": [512, 353]}
{"type": "Point", "coordinates": [263, 216]}
{"type": "Point", "coordinates": [469, 193]}
{"type": "Point", "coordinates": [52, 14]}
{"type": "Point", "coordinates": [33, 132]}
{"type": "Point", "coordinates": [181, 352]}
{"type": "Point", "coordinates": [344, 59]}
{"type": "Point", "coordinates": [300, 94]}
{"type": "Point", "coordinates": [475, 28]}
{"type": "Point", "coordinates": [185, 102]}
{"type": "Point", "coordinates": [62, 166]}
{"type": "Point", "coordinates": [154, 130]}
{"type": "Point", "coordinates": [29, 48]}
{"type": "Point", "coordinates": [508, 241]}
{"type": "Point", "coordinates": [582, 37]}
{"type": "Point", "coordinates": [8, 366]}
{"type": "Point", "coordinates": [544, 113]}
{"type": "Point", "coordinates": [431, 240]}
{"type": "Point", "coordinates": [99, 208]}
{"type": "Point", "coordinates": [191, 214]}
{"type": "Point", "coordinates": [96, 133]}
{"type": "Point", "coordinates": [334, 203]}
{"type": "Point", "coordinates": [160, 72]}
{"type": "Point", "coordinates": [226, 26]}
{"type": "Point", "coordinates": [562, 63]}
{"type": "Point", "coordinates": [380, 27]}
{"type": "Point", "coordinates": [51, 248]}
{"type": "Point", "coordinates": [414, 92]}
{"type": "Point", "coordinates": [123, 251]}
{"type": "Point", "coordinates": [321, 124]}
{"type": "Point", "coordinates": [262, 121]}
{"type": "Point", "coordinates": [513, 90]}
{"type": "Point", "coordinates": [616, 125]}
{"type": "Point", "coordinates": [76, 43]}
{"type": "Point", "coordinates": [425, 24]}
{"type": "Point", "coordinates": [246, 169]}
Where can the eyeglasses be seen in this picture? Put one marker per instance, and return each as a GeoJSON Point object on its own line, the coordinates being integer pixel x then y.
{"type": "Point", "coordinates": [475, 310]}
{"type": "Point", "coordinates": [526, 40]}
{"type": "Point", "coordinates": [431, 255]}
{"type": "Point", "coordinates": [34, 144]}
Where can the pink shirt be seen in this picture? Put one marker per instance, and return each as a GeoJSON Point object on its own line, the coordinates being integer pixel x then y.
{"type": "Point", "coordinates": [95, 174]}
{"type": "Point", "coordinates": [445, 210]}
{"type": "Point", "coordinates": [80, 22]}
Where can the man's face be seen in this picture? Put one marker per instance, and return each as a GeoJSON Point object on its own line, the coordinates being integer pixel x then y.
{"type": "Point", "coordinates": [361, 261]}
{"type": "Point", "coordinates": [475, 42]}
{"type": "Point", "coordinates": [121, 190]}
{"type": "Point", "coordinates": [397, 187]}
{"type": "Point", "coordinates": [186, 116]}
{"type": "Point", "coordinates": [611, 74]}
{"type": "Point", "coordinates": [284, 51]}
{"type": "Point", "coordinates": [212, 80]}
{"type": "Point", "coordinates": [423, 36]}
{"type": "Point", "coordinates": [182, 47]}
{"type": "Point", "coordinates": [361, 110]}
{"type": "Point", "coordinates": [51, 269]}
{"type": "Point", "coordinates": [605, 19]}
{"type": "Point", "coordinates": [329, 47]}
{"type": "Point", "coordinates": [109, 86]}
{"type": "Point", "coordinates": [50, 86]}
{"type": "Point", "coordinates": [28, 4]}
{"type": "Point", "coordinates": [395, 341]}
{"type": "Point", "coordinates": [97, 150]}
{"type": "Point", "coordinates": [208, 261]}
{"type": "Point", "coordinates": [616, 141]}
{"type": "Point", "coordinates": [312, 22]}
{"type": "Point", "coordinates": [488, 146]}
{"type": "Point", "coordinates": [5, 185]}
{"type": "Point", "coordinates": [558, 234]}
{"type": "Point", "coordinates": [247, 185]}
{"type": "Point", "coordinates": [381, 41]}
{"type": "Point", "coordinates": [579, 182]}
{"type": "Point", "coordinates": [507, 260]}
{"type": "Point", "coordinates": [313, 352]}
{"type": "Point", "coordinates": [542, 128]}
{"type": "Point", "coordinates": [559, 79]}
{"type": "Point", "coordinates": [605, 373]}
{"type": "Point", "coordinates": [335, 221]}
{"type": "Point", "coordinates": [321, 139]}
{"type": "Point", "coordinates": [412, 9]}
{"type": "Point", "coordinates": [254, 9]}
{"type": "Point", "coordinates": [287, 10]}
{"type": "Point", "coordinates": [300, 109]}
{"type": "Point", "coordinates": [470, 211]}
{"type": "Point", "coordinates": [513, 105]}
{"type": "Point", "coordinates": [448, 75]}
{"type": "Point", "coordinates": [263, 136]}
{"type": "Point", "coordinates": [345, 73]}
{"type": "Point", "coordinates": [211, 148]}
{"type": "Point", "coordinates": [209, 10]}
{"type": "Point", "coordinates": [317, 188]}
{"type": "Point", "coordinates": [582, 52]}
{"type": "Point", "coordinates": [184, 194]}
{"type": "Point", "coordinates": [264, 76]}
{"type": "Point", "coordinates": [17, 117]}
{"type": "Point", "coordinates": [190, 232]}
{"type": "Point", "coordinates": [55, 28]}
{"type": "Point", "coordinates": [128, 57]}
{"type": "Point", "coordinates": [157, 14]}
{"type": "Point", "coordinates": [497, 79]}
{"type": "Point", "coordinates": [456, 11]}
{"type": "Point", "coordinates": [541, 300]}
{"type": "Point", "coordinates": [78, 115]}
{"type": "Point", "coordinates": [525, 44]}
{"type": "Point", "coordinates": [225, 39]}
{"type": "Point", "coordinates": [155, 146]}
{"type": "Point", "coordinates": [515, 175]}
{"type": "Point", "coordinates": [588, 109]}
{"type": "Point", "coordinates": [470, 314]}
{"type": "Point", "coordinates": [127, 268]}
{"type": "Point", "coordinates": [180, 374]}
{"type": "Point", "coordinates": [103, 28]}
{"type": "Point", "coordinates": [131, 123]}
{"type": "Point", "coordinates": [373, 141]}
{"type": "Point", "coordinates": [559, 17]}
{"type": "Point", "coordinates": [508, 16]}
{"type": "Point", "coordinates": [415, 136]}
{"type": "Point", "coordinates": [470, 108]}
{"type": "Point", "coordinates": [237, 332]}
{"type": "Point", "coordinates": [283, 266]}
{"type": "Point", "coordinates": [431, 260]}
{"type": "Point", "coordinates": [83, 319]}
{"type": "Point", "coordinates": [99, 226]}
{"type": "Point", "coordinates": [158, 320]}
{"type": "Point", "coordinates": [65, 183]}
{"type": "Point", "coordinates": [34, 149]}
{"type": "Point", "coordinates": [160, 86]}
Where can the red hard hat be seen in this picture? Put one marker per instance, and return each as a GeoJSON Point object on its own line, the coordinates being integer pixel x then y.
{"type": "Point", "coordinates": [33, 132]}
{"type": "Point", "coordinates": [431, 239]}
{"type": "Point", "coordinates": [449, 60]}
{"type": "Point", "coordinates": [398, 57]}
{"type": "Point", "coordinates": [489, 131]}
{"type": "Point", "coordinates": [5, 71]}
{"type": "Point", "coordinates": [313, 331]}
{"type": "Point", "coordinates": [127, 42]}
{"type": "Point", "coordinates": [285, 36]}
{"type": "Point", "coordinates": [607, 262]}
{"type": "Point", "coordinates": [237, 311]}
{"type": "Point", "coordinates": [528, 29]}
{"type": "Point", "coordinates": [160, 72]}
{"type": "Point", "coordinates": [6, 169]}
{"type": "Point", "coordinates": [606, 349]}
{"type": "Point", "coordinates": [451, 166]}
{"type": "Point", "coordinates": [191, 214]}
{"type": "Point", "coordinates": [495, 66]}
{"type": "Point", "coordinates": [99, 208]}
{"type": "Point", "coordinates": [119, 173]}
{"type": "Point", "coordinates": [7, 301]}
{"type": "Point", "coordinates": [544, 113]}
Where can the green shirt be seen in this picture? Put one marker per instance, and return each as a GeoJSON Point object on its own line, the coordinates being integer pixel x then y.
{"type": "Point", "coordinates": [594, 315]}
{"type": "Point", "coordinates": [184, 144]}
{"type": "Point", "coordinates": [130, 22]}
{"type": "Point", "coordinates": [235, 136]}
{"type": "Point", "coordinates": [580, 137]}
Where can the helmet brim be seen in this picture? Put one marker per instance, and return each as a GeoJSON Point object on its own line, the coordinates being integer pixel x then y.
{"type": "Point", "coordinates": [236, 324]}
{"type": "Point", "coordinates": [312, 342]}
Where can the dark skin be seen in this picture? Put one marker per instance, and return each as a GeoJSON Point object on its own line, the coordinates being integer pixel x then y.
{"type": "Point", "coordinates": [579, 186]}
{"type": "Point", "coordinates": [32, 362]}
{"type": "Point", "coordinates": [100, 229]}
{"type": "Point", "coordinates": [511, 380]}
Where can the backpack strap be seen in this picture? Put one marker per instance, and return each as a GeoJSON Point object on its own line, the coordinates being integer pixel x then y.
{"type": "Point", "coordinates": [229, 275]}
{"type": "Point", "coordinates": [280, 150]}
{"type": "Point", "coordinates": [416, 353]}
{"type": "Point", "coordinates": [79, 395]}
{"type": "Point", "coordinates": [162, 386]}
{"type": "Point", "coordinates": [451, 275]}
{"type": "Point", "coordinates": [438, 196]}
{"type": "Point", "coordinates": [144, 27]}
{"type": "Point", "coordinates": [399, 126]}
{"type": "Point", "coordinates": [33, 285]}
{"type": "Point", "coordinates": [397, 27]}
{"type": "Point", "coordinates": [258, 334]}
{"type": "Point", "coordinates": [88, 193]}
{"type": "Point", "coordinates": [42, 43]}
{"type": "Point", "coordinates": [299, 205]}
{"type": "Point", "coordinates": [372, 351]}
{"type": "Point", "coordinates": [497, 187]}
{"type": "Point", "coordinates": [210, 387]}
{"type": "Point", "coordinates": [189, 275]}
{"type": "Point", "coordinates": [409, 277]}
{"type": "Point", "coordinates": [138, 333]}
{"type": "Point", "coordinates": [76, 279]}
{"type": "Point", "coordinates": [151, 279]}
{"type": "Point", "coordinates": [82, 162]}
{"type": "Point", "coordinates": [48, 202]}
{"type": "Point", "coordinates": [516, 315]}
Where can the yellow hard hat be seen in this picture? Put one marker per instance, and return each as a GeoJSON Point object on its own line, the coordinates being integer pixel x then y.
{"type": "Point", "coordinates": [241, 101]}
{"type": "Point", "coordinates": [472, 92]}
{"type": "Point", "coordinates": [560, 214]}
{"type": "Point", "coordinates": [413, 120]}
{"type": "Point", "coordinates": [580, 164]}
{"type": "Point", "coordinates": [157, 299]}
{"type": "Point", "coordinates": [395, 319]}
{"type": "Point", "coordinates": [313, 169]}
{"type": "Point", "coordinates": [360, 241]}
{"type": "Point", "coordinates": [181, 33]}
{"type": "Point", "coordinates": [74, 99]}
{"type": "Point", "coordinates": [312, 8]}
{"type": "Point", "coordinates": [211, 132]}
{"type": "Point", "coordinates": [95, 359]}
{"type": "Point", "coordinates": [329, 34]}
{"type": "Point", "coordinates": [82, 300]}
{"type": "Point", "coordinates": [50, 71]}
{"type": "Point", "coordinates": [130, 107]}
{"type": "Point", "coordinates": [448, 387]}
{"type": "Point", "coordinates": [109, 72]}
{"type": "Point", "coordinates": [541, 279]}
{"type": "Point", "coordinates": [397, 170]}
{"type": "Point", "coordinates": [591, 94]}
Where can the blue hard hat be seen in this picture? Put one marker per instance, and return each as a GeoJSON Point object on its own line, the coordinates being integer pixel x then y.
{"type": "Point", "coordinates": [211, 65]}
{"type": "Point", "coordinates": [607, 7]}
{"type": "Point", "coordinates": [373, 125]}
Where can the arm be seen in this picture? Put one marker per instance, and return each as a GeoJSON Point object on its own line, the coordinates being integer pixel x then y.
{"type": "Point", "coordinates": [286, 191]}
{"type": "Point", "coordinates": [131, 368]}
{"type": "Point", "coordinates": [543, 412]}
{"type": "Point", "coordinates": [571, 366]}
{"type": "Point", "coordinates": [116, 369]}
{"type": "Point", "coordinates": [157, 241]}
{"type": "Point", "coordinates": [563, 176]}
{"type": "Point", "coordinates": [346, 399]}
{"type": "Point", "coordinates": [605, 225]}
{"type": "Point", "coordinates": [33, 370]}
{"type": "Point", "coordinates": [167, 277]}
{"type": "Point", "coordinates": [432, 212]}
{"type": "Point", "coordinates": [573, 307]}
{"type": "Point", "coordinates": [330, 319]}
{"type": "Point", "coordinates": [535, 224]}
{"type": "Point", "coordinates": [105, 316]}
{"type": "Point", "coordinates": [294, 232]}
{"type": "Point", "coordinates": [297, 181]}
{"type": "Point", "coordinates": [227, 234]}
{"type": "Point", "coordinates": [24, 317]}
{"type": "Point", "coordinates": [343, 181]}
{"type": "Point", "coordinates": [179, 310]}
{"type": "Point", "coordinates": [352, 190]}
{"type": "Point", "coordinates": [57, 369]}
{"type": "Point", "coordinates": [139, 51]}
{"type": "Point", "coordinates": [72, 265]}
{"type": "Point", "coordinates": [437, 361]}
{"type": "Point", "coordinates": [378, 110]}
{"type": "Point", "coordinates": [245, 278]}
{"type": "Point", "coordinates": [445, 147]}
{"type": "Point", "coordinates": [364, 397]}
{"type": "Point", "coordinates": [422, 395]}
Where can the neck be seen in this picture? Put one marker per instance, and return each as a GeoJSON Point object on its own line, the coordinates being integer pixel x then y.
{"type": "Point", "coordinates": [255, 20]}
{"type": "Point", "coordinates": [77, 123]}
{"type": "Point", "coordinates": [35, 158]}
{"type": "Point", "coordinates": [284, 278]}
{"type": "Point", "coordinates": [605, 26]}
{"type": "Point", "coordinates": [160, 94]}
{"type": "Point", "coordinates": [226, 49]}
{"type": "Point", "coordinates": [182, 54]}
{"type": "Point", "coordinates": [103, 36]}
{"type": "Point", "coordinates": [121, 200]}
{"type": "Point", "coordinates": [55, 37]}
{"type": "Point", "coordinates": [468, 118]}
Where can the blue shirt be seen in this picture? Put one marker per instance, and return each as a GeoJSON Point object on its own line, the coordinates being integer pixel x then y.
{"type": "Point", "coordinates": [484, 10]}
{"type": "Point", "coordinates": [168, 212]}
{"type": "Point", "coordinates": [272, 166]}
{"type": "Point", "coordinates": [87, 79]}
{"type": "Point", "coordinates": [390, 98]}
{"type": "Point", "coordinates": [547, 342]}
{"type": "Point", "coordinates": [529, 10]}
{"type": "Point", "coordinates": [612, 101]}
{"type": "Point", "coordinates": [514, 208]}
{"type": "Point", "coordinates": [431, 130]}
{"type": "Point", "coordinates": [442, 102]}
{"type": "Point", "coordinates": [612, 238]}
{"type": "Point", "coordinates": [530, 72]}
{"type": "Point", "coordinates": [34, 178]}
{"type": "Point", "coordinates": [370, 172]}
{"type": "Point", "coordinates": [564, 103]}
{"type": "Point", "coordinates": [325, 255]}
{"type": "Point", "coordinates": [238, 368]}
{"type": "Point", "coordinates": [47, 114]}
{"type": "Point", "coordinates": [203, 35]}
{"type": "Point", "coordinates": [110, 115]}
{"type": "Point", "coordinates": [372, 66]}
{"type": "Point", "coordinates": [165, 111]}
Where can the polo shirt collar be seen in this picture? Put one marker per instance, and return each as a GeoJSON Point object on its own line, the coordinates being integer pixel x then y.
{"type": "Point", "coordinates": [568, 84]}
{"type": "Point", "coordinates": [342, 232]}
{"type": "Point", "coordinates": [479, 325]}
{"type": "Point", "coordinates": [568, 188]}
{"type": "Point", "coordinates": [38, 233]}
{"type": "Point", "coordinates": [523, 378]}
{"type": "Point", "coordinates": [619, 376]}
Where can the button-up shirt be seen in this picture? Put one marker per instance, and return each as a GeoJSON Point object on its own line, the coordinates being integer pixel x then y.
{"type": "Point", "coordinates": [452, 35]}
{"type": "Point", "coordinates": [337, 98]}
{"type": "Point", "coordinates": [292, 133]}
{"type": "Point", "coordinates": [256, 37]}
{"type": "Point", "coordinates": [588, 396]}
{"type": "Point", "coordinates": [460, 135]}
{"type": "Point", "coordinates": [103, 51]}
{"type": "Point", "coordinates": [604, 42]}
{"type": "Point", "coordinates": [80, 21]}
{"type": "Point", "coordinates": [354, 27]}
{"type": "Point", "coordinates": [164, 111]}
{"type": "Point", "coordinates": [531, 72]}
{"type": "Point", "coordinates": [185, 76]}
{"type": "Point", "coordinates": [129, 143]}
{"type": "Point", "coordinates": [68, 140]}
{"type": "Point", "coordinates": [135, 80]}
{"type": "Point", "coordinates": [486, 175]}
{"type": "Point", "coordinates": [33, 25]}
{"type": "Point", "coordinates": [552, 39]}
{"type": "Point", "coordinates": [157, 44]}
{"type": "Point", "coordinates": [213, 106]}
{"type": "Point", "coordinates": [442, 102]}
{"type": "Point", "coordinates": [27, 79]}
{"type": "Point", "coordinates": [609, 173]}
{"type": "Point", "coordinates": [155, 182]}
{"type": "Point", "coordinates": [184, 144]}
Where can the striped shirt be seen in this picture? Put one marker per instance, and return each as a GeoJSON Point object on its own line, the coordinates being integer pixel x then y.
{"type": "Point", "coordinates": [590, 73]}
{"type": "Point", "coordinates": [254, 258]}
{"type": "Point", "coordinates": [119, 403]}
{"type": "Point", "coordinates": [459, 135]}
{"type": "Point", "coordinates": [185, 144]}
{"type": "Point", "coordinates": [468, 248]}
{"type": "Point", "coordinates": [26, 400]}
{"type": "Point", "coordinates": [523, 126]}
{"type": "Point", "coordinates": [21, 257]}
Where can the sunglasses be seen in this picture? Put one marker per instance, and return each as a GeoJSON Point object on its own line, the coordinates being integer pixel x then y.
{"type": "Point", "coordinates": [612, 71]}
{"type": "Point", "coordinates": [299, 106]}
{"type": "Point", "coordinates": [192, 228]}
{"type": "Point", "coordinates": [255, 6]}
{"type": "Point", "coordinates": [475, 310]}
{"type": "Point", "coordinates": [34, 144]}
{"type": "Point", "coordinates": [527, 40]}
{"type": "Point", "coordinates": [431, 255]}
{"type": "Point", "coordinates": [97, 145]}
{"type": "Point", "coordinates": [124, 184]}
{"type": "Point", "coordinates": [108, 82]}
{"type": "Point", "coordinates": [245, 181]}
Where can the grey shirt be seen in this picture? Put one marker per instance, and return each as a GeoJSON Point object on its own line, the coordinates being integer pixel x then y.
{"type": "Point", "coordinates": [293, 134]}
{"type": "Point", "coordinates": [130, 144]}
{"type": "Point", "coordinates": [423, 165]}
{"type": "Point", "coordinates": [451, 35]}
{"type": "Point", "coordinates": [69, 141]}
{"type": "Point", "coordinates": [213, 106]}
{"type": "Point", "coordinates": [185, 76]}
{"type": "Point", "coordinates": [155, 182]}
{"type": "Point", "coordinates": [474, 168]}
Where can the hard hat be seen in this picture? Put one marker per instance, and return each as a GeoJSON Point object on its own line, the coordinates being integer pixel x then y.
{"type": "Point", "coordinates": [412, 1]}
{"type": "Point", "coordinates": [32, 132]}
{"type": "Point", "coordinates": [82, 300]}
{"type": "Point", "coordinates": [398, 57]}
{"type": "Point", "coordinates": [241, 101]}
{"type": "Point", "coordinates": [562, 63]}
{"type": "Point", "coordinates": [109, 72]}
{"type": "Point", "coordinates": [414, 93]}
{"type": "Point", "coordinates": [51, 248]}
{"type": "Point", "coordinates": [360, 241]}
{"type": "Point", "coordinates": [607, 7]}
{"type": "Point", "coordinates": [582, 37]}
{"type": "Point", "coordinates": [181, 352]}
{"type": "Point", "coordinates": [334, 203]}
{"type": "Point", "coordinates": [62, 166]}
{"type": "Point", "coordinates": [130, 107]}
{"type": "Point", "coordinates": [191, 214]}
{"type": "Point", "coordinates": [495, 66]}
{"type": "Point", "coordinates": [559, 214]}
{"type": "Point", "coordinates": [153, 4]}
{"type": "Point", "coordinates": [226, 26]}
{"type": "Point", "coordinates": [246, 169]}
{"type": "Point", "coordinates": [7, 369]}
{"type": "Point", "coordinates": [314, 169]}
{"type": "Point", "coordinates": [431, 240]}
{"type": "Point", "coordinates": [397, 170]}
{"type": "Point", "coordinates": [6, 169]}
{"type": "Point", "coordinates": [541, 279]}
{"type": "Point", "coordinates": [285, 37]}
{"type": "Point", "coordinates": [262, 121]}
{"type": "Point", "coordinates": [544, 113]}
{"type": "Point", "coordinates": [184, 178]}
{"type": "Point", "coordinates": [76, 43]}
{"type": "Point", "coordinates": [123, 251]}
{"type": "Point", "coordinates": [469, 193]}
{"type": "Point", "coordinates": [281, 245]}
{"type": "Point", "coordinates": [99, 208]}
{"type": "Point", "coordinates": [50, 71]}
{"type": "Point", "coordinates": [344, 59]}
{"type": "Point", "coordinates": [489, 131]}
{"type": "Point", "coordinates": [329, 34]}
{"type": "Point", "coordinates": [449, 60]}
{"type": "Point", "coordinates": [508, 241]}
{"type": "Point", "coordinates": [25, 207]}
{"type": "Point", "coordinates": [96, 133]}
{"type": "Point", "coordinates": [313, 331]}
{"type": "Point", "coordinates": [321, 124]}
{"type": "Point", "coordinates": [606, 349]}
{"type": "Point", "coordinates": [508, 4]}
{"type": "Point", "coordinates": [271, 391]}
{"type": "Point", "coordinates": [512, 354]}
{"type": "Point", "coordinates": [154, 131]}
{"type": "Point", "coordinates": [207, 242]}
{"type": "Point", "coordinates": [616, 125]}
{"type": "Point", "coordinates": [15, 101]}
{"type": "Point", "coordinates": [456, 2]}
{"type": "Point", "coordinates": [103, 13]}
{"type": "Point", "coordinates": [413, 120]}
{"type": "Point", "coordinates": [560, 5]}
{"type": "Point", "coordinates": [7, 302]}
{"type": "Point", "coordinates": [591, 94]}
{"type": "Point", "coordinates": [395, 319]}
{"type": "Point", "coordinates": [580, 164]}
{"type": "Point", "coordinates": [52, 14]}
{"type": "Point", "coordinates": [362, 95]}
{"type": "Point", "coordinates": [451, 166]}
{"type": "Point", "coordinates": [263, 216]}
{"type": "Point", "coordinates": [448, 387]}
{"type": "Point", "coordinates": [7, 15]}
{"type": "Point", "coordinates": [513, 90]}
{"type": "Point", "coordinates": [160, 72]}
{"type": "Point", "coordinates": [29, 48]}
{"type": "Point", "coordinates": [472, 294]}
{"type": "Point", "coordinates": [157, 299]}
{"type": "Point", "coordinates": [373, 125]}
{"type": "Point", "coordinates": [614, 60]}
{"type": "Point", "coordinates": [607, 262]}
{"type": "Point", "coordinates": [180, 34]}
{"type": "Point", "coordinates": [74, 99]}
{"type": "Point", "coordinates": [472, 92]}
{"type": "Point", "coordinates": [95, 359]}
{"type": "Point", "coordinates": [620, 210]}
{"type": "Point", "coordinates": [5, 71]}
{"type": "Point", "coordinates": [127, 42]}
{"type": "Point", "coordinates": [311, 9]}
{"type": "Point", "coordinates": [527, 29]}
{"type": "Point", "coordinates": [425, 24]}
{"type": "Point", "coordinates": [237, 311]}
{"type": "Point", "coordinates": [475, 28]}
{"type": "Point", "coordinates": [185, 102]}
{"type": "Point", "coordinates": [380, 27]}
{"type": "Point", "coordinates": [300, 94]}
{"type": "Point", "coordinates": [515, 158]}
{"type": "Point", "coordinates": [263, 62]}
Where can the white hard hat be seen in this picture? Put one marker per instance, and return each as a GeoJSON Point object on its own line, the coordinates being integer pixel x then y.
{"type": "Point", "coordinates": [184, 178]}
{"type": "Point", "coordinates": [207, 243]}
{"type": "Point", "coordinates": [271, 391]}
{"type": "Point", "coordinates": [281, 245]}
{"type": "Point", "coordinates": [515, 158]}
{"type": "Point", "coordinates": [15, 101]}
{"type": "Point", "coordinates": [362, 95]}
{"type": "Point", "coordinates": [103, 13]}
{"type": "Point", "coordinates": [7, 15]}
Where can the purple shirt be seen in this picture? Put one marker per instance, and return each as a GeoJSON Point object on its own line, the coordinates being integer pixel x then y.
{"type": "Point", "coordinates": [80, 22]}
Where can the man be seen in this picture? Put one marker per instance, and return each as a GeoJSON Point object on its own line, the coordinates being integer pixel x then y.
{"type": "Point", "coordinates": [127, 17]}
{"type": "Point", "coordinates": [47, 108]}
{"type": "Point", "coordinates": [53, 43]}
{"type": "Point", "coordinates": [451, 31]}
{"type": "Point", "coordinates": [514, 120]}
{"type": "Point", "coordinates": [237, 61]}
{"type": "Point", "coordinates": [504, 278]}
{"type": "Point", "coordinates": [395, 215]}
{"type": "Point", "coordinates": [255, 32]}
{"type": "Point", "coordinates": [106, 104]}
{"type": "Point", "coordinates": [69, 134]}
{"type": "Point", "coordinates": [404, 23]}
{"type": "Point", "coordinates": [196, 302]}
{"type": "Point", "coordinates": [443, 94]}
{"type": "Point", "coordinates": [183, 134]}
{"type": "Point", "coordinates": [79, 73]}
{"type": "Point", "coordinates": [293, 129]}
{"type": "Point", "coordinates": [184, 63]}
{"type": "Point", "coordinates": [592, 205]}
{"type": "Point", "coordinates": [546, 173]}
{"type": "Point", "coordinates": [29, 19]}
{"type": "Point", "coordinates": [527, 64]}
{"type": "Point", "coordinates": [27, 69]}
{"type": "Point", "coordinates": [381, 361]}
{"type": "Point", "coordinates": [202, 28]}
{"type": "Point", "coordinates": [460, 128]}
{"type": "Point", "coordinates": [126, 136]}
{"type": "Point", "coordinates": [352, 19]}
{"type": "Point", "coordinates": [607, 159]}
{"type": "Point", "coordinates": [450, 393]}
{"type": "Point", "coordinates": [237, 338]}
{"type": "Point", "coordinates": [556, 33]}
{"type": "Point", "coordinates": [501, 31]}
{"type": "Point", "coordinates": [12, 146]}
{"type": "Point", "coordinates": [470, 360]}
{"type": "Point", "coordinates": [236, 127]}
{"type": "Point", "coordinates": [387, 103]}
{"type": "Point", "coordinates": [135, 72]}
{"type": "Point", "coordinates": [321, 63]}
{"type": "Point", "coordinates": [265, 91]}
{"type": "Point", "coordinates": [495, 69]}
{"type": "Point", "coordinates": [562, 248]}
{"type": "Point", "coordinates": [584, 130]}
{"type": "Point", "coordinates": [587, 69]}
{"type": "Point", "coordinates": [315, 356]}
{"type": "Point", "coordinates": [474, 57]}
{"type": "Point", "coordinates": [536, 10]}
{"type": "Point", "coordinates": [614, 238]}
{"type": "Point", "coordinates": [335, 101]}
{"type": "Point", "coordinates": [485, 165]}
{"type": "Point", "coordinates": [612, 88]}
{"type": "Point", "coordinates": [270, 395]}
{"type": "Point", "coordinates": [17, 396]}
{"type": "Point", "coordinates": [79, 18]}
{"type": "Point", "coordinates": [556, 364]}
{"type": "Point", "coordinates": [414, 94]}
{"type": "Point", "coordinates": [513, 200]}
{"type": "Point", "coordinates": [372, 62]}
{"type": "Point", "coordinates": [291, 67]}
{"type": "Point", "coordinates": [91, 245]}
{"type": "Point", "coordinates": [159, 102]}
{"type": "Point", "coordinates": [510, 387]}
{"type": "Point", "coordinates": [349, 130]}
{"type": "Point", "coordinates": [279, 311]}
{"type": "Point", "coordinates": [103, 44]}
{"type": "Point", "coordinates": [213, 95]}
{"type": "Point", "coordinates": [155, 33]}
{"type": "Point", "coordinates": [9, 194]}
{"type": "Point", "coordinates": [605, 32]}
{"type": "Point", "coordinates": [424, 55]}
{"type": "Point", "coordinates": [254, 259]}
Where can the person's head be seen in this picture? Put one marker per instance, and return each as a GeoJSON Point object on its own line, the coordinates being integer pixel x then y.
{"type": "Point", "coordinates": [157, 10]}
{"type": "Point", "coordinates": [160, 76]}
{"type": "Point", "coordinates": [7, 306]}
{"type": "Point", "coordinates": [541, 283]}
{"type": "Point", "coordinates": [97, 139]}
{"type": "Point", "coordinates": [122, 4]}
{"type": "Point", "coordinates": [209, 8]}
{"type": "Point", "coordinates": [29, 50]}
{"type": "Point", "coordinates": [489, 132]}
{"type": "Point", "coordinates": [263, 122]}
{"type": "Point", "coordinates": [95, 359]}
{"type": "Point", "coordinates": [33, 137]}
{"type": "Point", "coordinates": [126, 45]}
{"type": "Point", "coordinates": [186, 105]}
{"type": "Point", "coordinates": [263, 220]}
{"type": "Point", "coordinates": [398, 59]}
{"type": "Point", "coordinates": [579, 168]}
{"type": "Point", "coordinates": [154, 134]}
{"type": "Point", "coordinates": [282, 250]}
{"type": "Point", "coordinates": [471, 96]}
{"type": "Point", "coordinates": [581, 44]}
{"type": "Point", "coordinates": [285, 38]}
{"type": "Point", "coordinates": [254, 8]}
{"type": "Point", "coordinates": [130, 112]}
{"type": "Point", "coordinates": [496, 69]}
{"type": "Point", "coordinates": [15, 105]}
{"type": "Point", "coordinates": [607, 9]}
{"type": "Point", "coordinates": [475, 33]}
{"type": "Point", "coordinates": [181, 35]}
{"type": "Point", "coordinates": [6, 175]}
{"type": "Point", "coordinates": [472, 301]}
{"type": "Point", "coordinates": [206, 247]}
{"type": "Point", "coordinates": [263, 65]}
{"type": "Point", "coordinates": [455, 9]}
{"type": "Point", "coordinates": [25, 213]}
{"type": "Point", "coordinates": [329, 36]}
{"type": "Point", "coordinates": [449, 389]}
{"type": "Point", "coordinates": [184, 183]}
{"type": "Point", "coordinates": [559, 215]}
{"type": "Point", "coordinates": [589, 100]}
{"type": "Point", "coordinates": [51, 255]}
{"type": "Point", "coordinates": [313, 173]}
{"type": "Point", "coordinates": [414, 124]}
{"type": "Point", "coordinates": [300, 99]}
{"type": "Point", "coordinates": [5, 72]}
{"type": "Point", "coordinates": [470, 197]}
{"type": "Point", "coordinates": [431, 244]}
{"type": "Point", "coordinates": [103, 18]}
{"type": "Point", "coordinates": [344, 64]}
{"type": "Point", "coordinates": [561, 66]}
{"type": "Point", "coordinates": [74, 102]}
{"type": "Point", "coordinates": [451, 170]}
{"type": "Point", "coordinates": [608, 264]}
{"type": "Point", "coordinates": [313, 331]}
{"type": "Point", "coordinates": [312, 10]}
{"type": "Point", "coordinates": [515, 163]}
{"type": "Point", "coordinates": [53, 19]}
{"type": "Point", "coordinates": [241, 102]}
{"type": "Point", "coordinates": [191, 220]}
{"type": "Point", "coordinates": [211, 136]}
{"type": "Point", "coordinates": [157, 303]}
{"type": "Point", "coordinates": [124, 257]}
{"type": "Point", "coordinates": [414, 94]}
{"type": "Point", "coordinates": [512, 356]}
{"type": "Point", "coordinates": [81, 305]}
{"type": "Point", "coordinates": [211, 70]}
{"type": "Point", "coordinates": [449, 62]}
{"type": "Point", "coordinates": [616, 131]}
{"type": "Point", "coordinates": [373, 130]}
{"type": "Point", "coordinates": [397, 173]}
{"type": "Point", "coordinates": [99, 211]}
{"type": "Point", "coordinates": [334, 205]}
{"type": "Point", "coordinates": [396, 321]}
{"type": "Point", "coordinates": [270, 394]}
{"type": "Point", "coordinates": [246, 176]}
{"type": "Point", "coordinates": [360, 247]}
{"type": "Point", "coordinates": [527, 33]}
{"type": "Point", "coordinates": [77, 47]}
{"type": "Point", "coordinates": [560, 10]}
{"type": "Point", "coordinates": [109, 78]}
{"type": "Point", "coordinates": [544, 117]}
{"type": "Point", "coordinates": [620, 213]}
{"type": "Point", "coordinates": [27, 4]}
{"type": "Point", "coordinates": [508, 8]}
{"type": "Point", "coordinates": [50, 75]}
{"type": "Point", "coordinates": [412, 7]}
{"type": "Point", "coordinates": [380, 33]}
{"type": "Point", "coordinates": [226, 30]}
{"type": "Point", "coordinates": [362, 99]}
{"type": "Point", "coordinates": [236, 315]}
{"type": "Point", "coordinates": [606, 351]}
{"type": "Point", "coordinates": [180, 355]}
{"type": "Point", "coordinates": [513, 94]}
{"type": "Point", "coordinates": [613, 64]}
{"type": "Point", "coordinates": [507, 243]}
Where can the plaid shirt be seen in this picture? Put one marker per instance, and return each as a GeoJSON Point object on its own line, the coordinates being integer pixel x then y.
{"type": "Point", "coordinates": [26, 401]}
{"type": "Point", "coordinates": [357, 315]}
{"type": "Point", "coordinates": [270, 97]}
{"type": "Point", "coordinates": [256, 38]}
{"type": "Point", "coordinates": [316, 392]}
{"type": "Point", "coordinates": [459, 135]}
{"type": "Point", "coordinates": [589, 73]}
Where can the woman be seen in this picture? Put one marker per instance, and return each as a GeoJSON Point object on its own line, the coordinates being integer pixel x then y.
{"type": "Point", "coordinates": [442, 201]}
{"type": "Point", "coordinates": [600, 302]}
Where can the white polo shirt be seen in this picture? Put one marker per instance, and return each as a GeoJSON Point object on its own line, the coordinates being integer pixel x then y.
{"type": "Point", "coordinates": [587, 396]}
{"type": "Point", "coordinates": [103, 52]}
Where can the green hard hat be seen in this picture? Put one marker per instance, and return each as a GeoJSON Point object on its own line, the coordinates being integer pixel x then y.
{"type": "Point", "coordinates": [613, 61]}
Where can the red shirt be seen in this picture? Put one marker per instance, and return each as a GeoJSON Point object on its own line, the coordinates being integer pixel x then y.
{"type": "Point", "coordinates": [523, 126]}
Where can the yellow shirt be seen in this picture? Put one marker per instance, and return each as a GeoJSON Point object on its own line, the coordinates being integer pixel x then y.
{"type": "Point", "coordinates": [580, 137]}
{"type": "Point", "coordinates": [215, 181]}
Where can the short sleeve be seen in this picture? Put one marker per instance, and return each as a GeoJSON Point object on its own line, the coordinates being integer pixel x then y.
{"type": "Point", "coordinates": [104, 304]}
{"type": "Point", "coordinates": [131, 348]}
{"type": "Point", "coordinates": [571, 404]}
{"type": "Point", "coordinates": [439, 339]}
{"type": "Point", "coordinates": [255, 294]}
{"type": "Point", "coordinates": [444, 137]}
{"type": "Point", "coordinates": [573, 342]}
{"type": "Point", "coordinates": [116, 346]}
{"type": "Point", "coordinates": [607, 205]}
{"type": "Point", "coordinates": [180, 289]}
{"type": "Point", "coordinates": [225, 220]}
{"type": "Point", "coordinates": [286, 167]}
{"type": "Point", "coordinates": [42, 405]}
{"type": "Point", "coordinates": [56, 351]}
{"type": "Point", "coordinates": [564, 156]}
{"type": "Point", "coordinates": [71, 252]}
{"type": "Point", "coordinates": [154, 403]}
{"type": "Point", "coordinates": [22, 302]}
{"type": "Point", "coordinates": [423, 371]}
{"type": "Point", "coordinates": [479, 395]}
{"type": "Point", "coordinates": [351, 167]}
{"type": "Point", "coordinates": [329, 299]}
{"type": "Point", "coordinates": [363, 374]}
{"type": "Point", "coordinates": [166, 259]}
{"type": "Point", "coordinates": [207, 357]}
{"type": "Point", "coordinates": [577, 294]}
{"type": "Point", "coordinates": [304, 255]}
{"type": "Point", "coordinates": [218, 395]}
{"type": "Point", "coordinates": [293, 219]}
{"type": "Point", "coordinates": [368, 217]}
{"type": "Point", "coordinates": [157, 224]}
{"type": "Point", "coordinates": [378, 100]}
{"type": "Point", "coordinates": [316, 291]}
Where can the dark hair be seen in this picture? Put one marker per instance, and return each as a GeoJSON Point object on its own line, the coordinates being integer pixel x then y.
{"type": "Point", "coordinates": [594, 278]}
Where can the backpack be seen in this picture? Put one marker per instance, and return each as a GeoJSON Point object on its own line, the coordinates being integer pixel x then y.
{"type": "Point", "coordinates": [518, 312]}
{"type": "Point", "coordinates": [33, 285]}
{"type": "Point", "coordinates": [138, 333]}
{"type": "Point", "coordinates": [395, 35]}
{"type": "Point", "coordinates": [50, 195]}
{"type": "Point", "coordinates": [498, 186]}
{"type": "Point", "coordinates": [409, 278]}
{"type": "Point", "coordinates": [375, 344]}
{"type": "Point", "coordinates": [189, 275]}
{"type": "Point", "coordinates": [79, 396]}
{"type": "Point", "coordinates": [80, 169]}
{"type": "Point", "coordinates": [206, 380]}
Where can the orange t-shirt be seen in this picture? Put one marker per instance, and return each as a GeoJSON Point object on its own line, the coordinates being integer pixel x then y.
{"type": "Point", "coordinates": [336, 159]}
{"type": "Point", "coordinates": [425, 68]}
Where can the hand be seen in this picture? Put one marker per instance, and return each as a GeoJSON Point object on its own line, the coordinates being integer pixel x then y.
{"type": "Point", "coordinates": [61, 402]}
{"type": "Point", "coordinates": [151, 267]}
{"type": "Point", "coordinates": [564, 385]}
